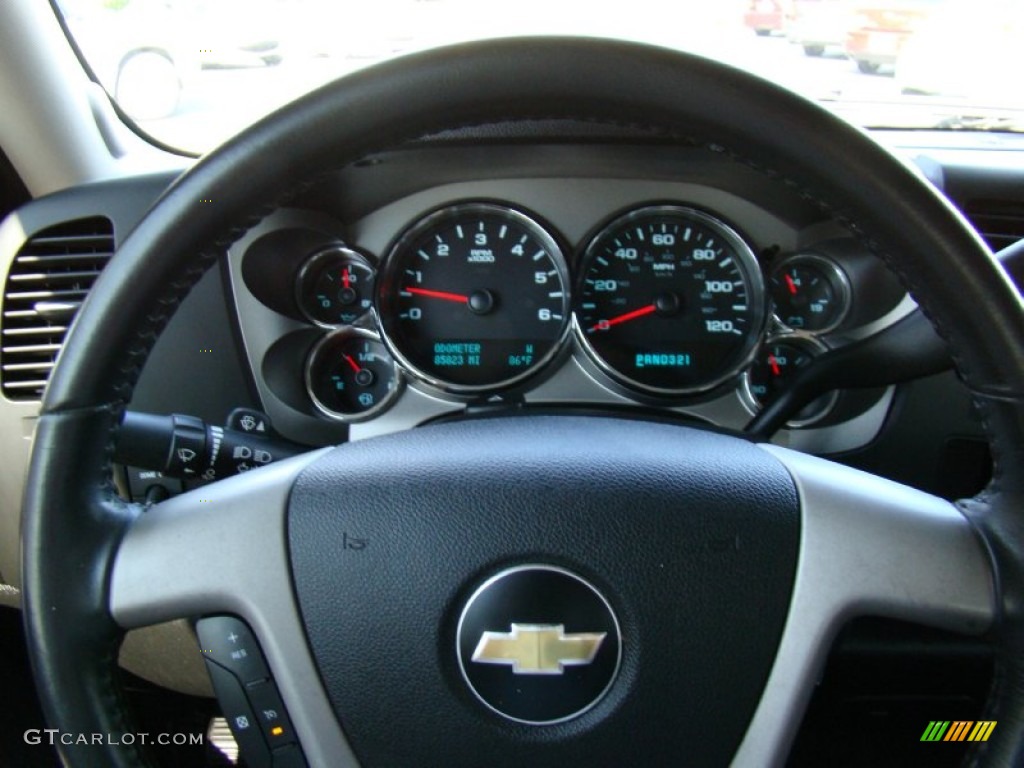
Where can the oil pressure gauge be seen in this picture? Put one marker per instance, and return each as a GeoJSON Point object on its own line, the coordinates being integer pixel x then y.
{"type": "Point", "coordinates": [335, 287]}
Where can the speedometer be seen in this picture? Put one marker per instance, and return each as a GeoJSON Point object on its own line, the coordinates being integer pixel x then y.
{"type": "Point", "coordinates": [670, 300]}
{"type": "Point", "coordinates": [474, 297]}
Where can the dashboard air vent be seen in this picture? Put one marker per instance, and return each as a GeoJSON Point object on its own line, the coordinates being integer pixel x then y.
{"type": "Point", "coordinates": [49, 279]}
{"type": "Point", "coordinates": [1000, 222]}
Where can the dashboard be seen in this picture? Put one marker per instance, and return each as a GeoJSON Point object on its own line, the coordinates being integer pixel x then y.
{"type": "Point", "coordinates": [655, 280]}
{"type": "Point", "coordinates": [585, 282]}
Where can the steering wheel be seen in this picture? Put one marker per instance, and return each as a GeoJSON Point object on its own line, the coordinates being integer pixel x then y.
{"type": "Point", "coordinates": [688, 582]}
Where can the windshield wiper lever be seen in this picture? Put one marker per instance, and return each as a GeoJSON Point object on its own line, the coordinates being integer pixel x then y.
{"type": "Point", "coordinates": [188, 448]}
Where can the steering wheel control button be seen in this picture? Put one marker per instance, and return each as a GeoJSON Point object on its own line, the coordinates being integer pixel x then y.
{"type": "Point", "coordinates": [538, 644]}
{"type": "Point", "coordinates": [227, 641]}
{"type": "Point", "coordinates": [241, 718]}
{"type": "Point", "coordinates": [248, 697]}
{"type": "Point", "coordinates": [273, 720]}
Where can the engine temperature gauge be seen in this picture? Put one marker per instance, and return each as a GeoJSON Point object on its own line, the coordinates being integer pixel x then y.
{"type": "Point", "coordinates": [350, 376]}
{"type": "Point", "coordinates": [335, 287]}
{"type": "Point", "coordinates": [777, 362]}
{"type": "Point", "coordinates": [810, 293]}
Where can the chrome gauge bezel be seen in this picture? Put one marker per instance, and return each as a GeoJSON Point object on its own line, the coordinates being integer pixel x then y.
{"type": "Point", "coordinates": [748, 264]}
{"type": "Point", "coordinates": [817, 347]}
{"type": "Point", "coordinates": [837, 278]}
{"type": "Point", "coordinates": [341, 334]}
{"type": "Point", "coordinates": [309, 267]}
{"type": "Point", "coordinates": [392, 263]}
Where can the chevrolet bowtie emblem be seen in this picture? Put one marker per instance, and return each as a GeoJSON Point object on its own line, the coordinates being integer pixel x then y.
{"type": "Point", "coordinates": [538, 649]}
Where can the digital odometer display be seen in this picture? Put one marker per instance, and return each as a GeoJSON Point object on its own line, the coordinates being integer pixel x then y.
{"type": "Point", "coordinates": [474, 297]}
{"type": "Point", "coordinates": [670, 300]}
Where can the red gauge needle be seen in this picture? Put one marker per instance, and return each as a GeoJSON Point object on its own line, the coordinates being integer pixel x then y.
{"type": "Point", "coordinates": [775, 365]}
{"type": "Point", "coordinates": [438, 294]}
{"type": "Point", "coordinates": [604, 325]}
{"type": "Point", "coordinates": [346, 280]}
{"type": "Point", "coordinates": [791, 284]}
{"type": "Point", "coordinates": [353, 363]}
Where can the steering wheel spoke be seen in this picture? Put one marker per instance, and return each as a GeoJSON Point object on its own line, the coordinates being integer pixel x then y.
{"type": "Point", "coordinates": [219, 548]}
{"type": "Point", "coordinates": [869, 547]}
{"type": "Point", "coordinates": [222, 549]}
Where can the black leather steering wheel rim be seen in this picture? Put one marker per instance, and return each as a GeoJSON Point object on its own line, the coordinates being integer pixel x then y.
{"type": "Point", "coordinates": [72, 520]}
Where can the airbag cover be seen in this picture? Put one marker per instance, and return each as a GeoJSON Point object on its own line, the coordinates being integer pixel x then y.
{"type": "Point", "coordinates": [690, 536]}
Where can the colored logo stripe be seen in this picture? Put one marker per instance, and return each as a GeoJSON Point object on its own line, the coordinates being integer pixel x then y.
{"type": "Point", "coordinates": [982, 730]}
{"type": "Point", "coordinates": [958, 730]}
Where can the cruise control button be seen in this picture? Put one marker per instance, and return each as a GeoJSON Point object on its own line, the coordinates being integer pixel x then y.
{"type": "Point", "coordinates": [241, 719]}
{"type": "Point", "coordinates": [229, 642]}
{"type": "Point", "coordinates": [266, 703]}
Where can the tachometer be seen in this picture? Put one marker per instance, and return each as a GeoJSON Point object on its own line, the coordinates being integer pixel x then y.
{"type": "Point", "coordinates": [670, 300]}
{"type": "Point", "coordinates": [474, 297]}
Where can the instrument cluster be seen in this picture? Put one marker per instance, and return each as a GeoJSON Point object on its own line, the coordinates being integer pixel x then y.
{"type": "Point", "coordinates": [662, 303]}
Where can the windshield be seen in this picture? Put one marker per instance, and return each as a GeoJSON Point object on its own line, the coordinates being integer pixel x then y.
{"type": "Point", "coordinates": [193, 72]}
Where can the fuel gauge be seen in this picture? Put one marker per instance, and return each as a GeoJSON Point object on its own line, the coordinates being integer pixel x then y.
{"type": "Point", "coordinates": [335, 287]}
{"type": "Point", "coordinates": [810, 293]}
{"type": "Point", "coordinates": [777, 362]}
{"type": "Point", "coordinates": [350, 376]}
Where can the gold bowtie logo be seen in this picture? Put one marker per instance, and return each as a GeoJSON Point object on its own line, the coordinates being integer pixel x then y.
{"type": "Point", "coordinates": [538, 649]}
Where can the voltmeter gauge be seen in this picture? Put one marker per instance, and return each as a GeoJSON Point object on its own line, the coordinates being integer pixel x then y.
{"type": "Point", "coordinates": [810, 293]}
{"type": "Point", "coordinates": [350, 376]}
{"type": "Point", "coordinates": [778, 360]}
{"type": "Point", "coordinates": [335, 287]}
